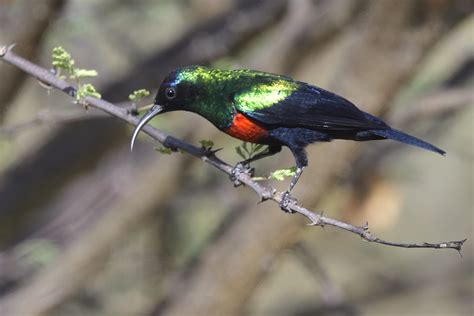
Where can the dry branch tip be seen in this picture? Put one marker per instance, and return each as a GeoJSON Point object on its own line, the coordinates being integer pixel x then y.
{"type": "Point", "coordinates": [3, 50]}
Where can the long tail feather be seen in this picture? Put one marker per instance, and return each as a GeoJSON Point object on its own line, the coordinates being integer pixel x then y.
{"type": "Point", "coordinates": [407, 139]}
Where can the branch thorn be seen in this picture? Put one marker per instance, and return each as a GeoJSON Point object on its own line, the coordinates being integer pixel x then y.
{"type": "Point", "coordinates": [5, 49]}
{"type": "Point", "coordinates": [366, 227]}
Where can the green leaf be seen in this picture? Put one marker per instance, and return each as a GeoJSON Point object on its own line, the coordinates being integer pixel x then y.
{"type": "Point", "coordinates": [282, 173]}
{"type": "Point", "coordinates": [87, 90]}
{"type": "Point", "coordinates": [137, 95]}
{"type": "Point", "coordinates": [62, 59]}
{"type": "Point", "coordinates": [258, 147]}
{"type": "Point", "coordinates": [244, 146]}
{"type": "Point", "coordinates": [238, 149]}
{"type": "Point", "coordinates": [254, 149]}
{"type": "Point", "coordinates": [164, 150]}
{"type": "Point", "coordinates": [84, 73]}
{"type": "Point", "coordinates": [206, 143]}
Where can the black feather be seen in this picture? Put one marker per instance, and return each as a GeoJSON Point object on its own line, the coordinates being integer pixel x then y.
{"type": "Point", "coordinates": [315, 108]}
{"type": "Point", "coordinates": [407, 139]}
{"type": "Point", "coordinates": [313, 114]}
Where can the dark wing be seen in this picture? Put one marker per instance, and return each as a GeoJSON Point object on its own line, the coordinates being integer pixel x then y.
{"type": "Point", "coordinates": [315, 108]}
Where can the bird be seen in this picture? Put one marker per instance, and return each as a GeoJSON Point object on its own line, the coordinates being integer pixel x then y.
{"type": "Point", "coordinates": [270, 109]}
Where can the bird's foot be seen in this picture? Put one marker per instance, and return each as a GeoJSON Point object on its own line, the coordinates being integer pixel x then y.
{"type": "Point", "coordinates": [238, 170]}
{"type": "Point", "coordinates": [287, 201]}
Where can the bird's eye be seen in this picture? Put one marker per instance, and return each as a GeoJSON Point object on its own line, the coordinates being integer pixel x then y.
{"type": "Point", "coordinates": [170, 93]}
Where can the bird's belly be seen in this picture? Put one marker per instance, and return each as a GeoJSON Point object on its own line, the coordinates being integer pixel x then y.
{"type": "Point", "coordinates": [246, 130]}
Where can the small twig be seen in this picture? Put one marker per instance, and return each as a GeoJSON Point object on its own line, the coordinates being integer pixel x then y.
{"type": "Point", "coordinates": [264, 193]}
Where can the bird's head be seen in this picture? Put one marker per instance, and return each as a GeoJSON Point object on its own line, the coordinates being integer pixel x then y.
{"type": "Point", "coordinates": [178, 91]}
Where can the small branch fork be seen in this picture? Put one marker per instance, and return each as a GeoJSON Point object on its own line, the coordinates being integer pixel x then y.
{"type": "Point", "coordinates": [265, 193]}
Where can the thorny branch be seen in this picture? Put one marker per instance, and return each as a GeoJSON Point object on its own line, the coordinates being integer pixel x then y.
{"type": "Point", "coordinates": [265, 193]}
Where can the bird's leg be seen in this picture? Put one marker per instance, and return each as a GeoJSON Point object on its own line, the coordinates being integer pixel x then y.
{"type": "Point", "coordinates": [286, 199]}
{"type": "Point", "coordinates": [244, 166]}
{"type": "Point", "coordinates": [301, 161]}
{"type": "Point", "coordinates": [295, 178]}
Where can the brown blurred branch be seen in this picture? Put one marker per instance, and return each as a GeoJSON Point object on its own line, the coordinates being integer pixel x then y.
{"type": "Point", "coordinates": [331, 293]}
{"type": "Point", "coordinates": [217, 37]}
{"type": "Point", "coordinates": [46, 117]}
{"type": "Point", "coordinates": [263, 192]}
{"type": "Point", "coordinates": [24, 26]}
{"type": "Point", "coordinates": [437, 103]}
{"type": "Point", "coordinates": [86, 254]}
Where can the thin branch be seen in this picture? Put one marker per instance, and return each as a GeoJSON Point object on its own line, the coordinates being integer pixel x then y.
{"type": "Point", "coordinates": [331, 293]}
{"type": "Point", "coordinates": [265, 193]}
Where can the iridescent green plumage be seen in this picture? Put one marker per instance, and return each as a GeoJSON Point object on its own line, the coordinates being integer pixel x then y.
{"type": "Point", "coordinates": [264, 95]}
{"type": "Point", "coordinates": [216, 94]}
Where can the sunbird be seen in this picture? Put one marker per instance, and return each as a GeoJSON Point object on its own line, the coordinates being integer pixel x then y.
{"type": "Point", "coordinates": [270, 109]}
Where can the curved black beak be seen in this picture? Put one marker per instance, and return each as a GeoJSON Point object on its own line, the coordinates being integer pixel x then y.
{"type": "Point", "coordinates": [154, 111]}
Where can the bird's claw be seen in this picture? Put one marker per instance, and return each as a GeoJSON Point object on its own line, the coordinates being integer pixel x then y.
{"type": "Point", "coordinates": [238, 170]}
{"type": "Point", "coordinates": [287, 201]}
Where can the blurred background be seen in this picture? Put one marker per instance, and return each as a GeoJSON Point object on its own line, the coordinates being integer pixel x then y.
{"type": "Point", "coordinates": [88, 228]}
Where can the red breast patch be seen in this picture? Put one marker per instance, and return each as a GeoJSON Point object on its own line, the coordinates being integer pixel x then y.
{"type": "Point", "coordinates": [246, 130]}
